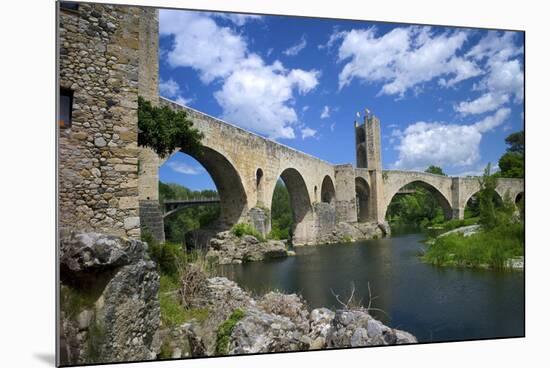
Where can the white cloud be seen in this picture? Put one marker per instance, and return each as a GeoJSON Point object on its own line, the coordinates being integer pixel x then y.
{"type": "Point", "coordinates": [183, 168]}
{"type": "Point", "coordinates": [294, 50]}
{"type": "Point", "coordinates": [305, 108]}
{"type": "Point", "coordinates": [308, 132]}
{"type": "Point", "coordinates": [487, 102]}
{"type": "Point", "coordinates": [253, 94]}
{"type": "Point", "coordinates": [403, 58]}
{"type": "Point", "coordinates": [325, 114]}
{"type": "Point", "coordinates": [171, 89]}
{"type": "Point", "coordinates": [422, 144]}
{"type": "Point", "coordinates": [237, 19]}
{"type": "Point", "coordinates": [332, 126]}
{"type": "Point", "coordinates": [503, 79]}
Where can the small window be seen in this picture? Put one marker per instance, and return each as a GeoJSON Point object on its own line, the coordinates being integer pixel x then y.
{"type": "Point", "coordinates": [65, 108]}
{"type": "Point", "coordinates": [68, 6]}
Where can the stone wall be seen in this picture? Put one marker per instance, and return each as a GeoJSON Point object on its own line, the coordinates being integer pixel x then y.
{"type": "Point", "coordinates": [99, 62]}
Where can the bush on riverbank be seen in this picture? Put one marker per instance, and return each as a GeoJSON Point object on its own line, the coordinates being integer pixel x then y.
{"type": "Point", "coordinates": [490, 248]}
{"type": "Point", "coordinates": [243, 228]}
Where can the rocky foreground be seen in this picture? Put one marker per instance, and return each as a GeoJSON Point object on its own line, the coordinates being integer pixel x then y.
{"type": "Point", "coordinates": [110, 311]}
{"type": "Point", "coordinates": [237, 323]}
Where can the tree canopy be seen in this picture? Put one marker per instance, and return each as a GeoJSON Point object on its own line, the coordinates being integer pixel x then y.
{"type": "Point", "coordinates": [435, 170]}
{"type": "Point", "coordinates": [163, 130]}
{"type": "Point", "coordinates": [512, 163]}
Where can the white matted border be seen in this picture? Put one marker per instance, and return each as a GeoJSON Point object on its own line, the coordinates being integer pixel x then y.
{"type": "Point", "coordinates": [27, 154]}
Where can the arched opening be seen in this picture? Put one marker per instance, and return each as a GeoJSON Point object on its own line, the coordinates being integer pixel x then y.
{"type": "Point", "coordinates": [291, 207]}
{"type": "Point", "coordinates": [418, 204]}
{"type": "Point", "coordinates": [193, 182]}
{"type": "Point", "coordinates": [315, 193]}
{"type": "Point", "coordinates": [362, 194]}
{"type": "Point", "coordinates": [259, 187]}
{"type": "Point", "coordinates": [472, 208]}
{"type": "Point", "coordinates": [327, 191]}
{"type": "Point", "coordinates": [519, 198]}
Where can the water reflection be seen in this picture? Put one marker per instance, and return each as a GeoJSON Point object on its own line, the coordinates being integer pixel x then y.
{"type": "Point", "coordinates": [435, 304]}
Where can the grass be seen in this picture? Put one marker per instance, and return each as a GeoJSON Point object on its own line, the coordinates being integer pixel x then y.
{"type": "Point", "coordinates": [487, 248]}
{"type": "Point", "coordinates": [171, 310]}
{"type": "Point", "coordinates": [243, 228]}
{"type": "Point", "coordinates": [224, 331]}
{"type": "Point", "coordinates": [73, 301]}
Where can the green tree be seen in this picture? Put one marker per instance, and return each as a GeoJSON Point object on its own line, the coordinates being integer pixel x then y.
{"type": "Point", "coordinates": [281, 212]}
{"type": "Point", "coordinates": [487, 210]}
{"type": "Point", "coordinates": [512, 163]}
{"type": "Point", "coordinates": [163, 130]}
{"type": "Point", "coordinates": [435, 170]}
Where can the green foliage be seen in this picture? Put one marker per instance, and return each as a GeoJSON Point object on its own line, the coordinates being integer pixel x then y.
{"type": "Point", "coordinates": [486, 248]}
{"type": "Point", "coordinates": [165, 350]}
{"type": "Point", "coordinates": [244, 228]}
{"type": "Point", "coordinates": [281, 213]}
{"type": "Point", "coordinates": [487, 210]}
{"type": "Point", "coordinates": [347, 239]}
{"type": "Point", "coordinates": [512, 163]}
{"type": "Point", "coordinates": [187, 219]}
{"type": "Point", "coordinates": [225, 329]}
{"type": "Point", "coordinates": [95, 342]}
{"type": "Point", "coordinates": [172, 312]}
{"type": "Point", "coordinates": [73, 301]}
{"type": "Point", "coordinates": [163, 130]}
{"type": "Point", "coordinates": [435, 170]}
{"type": "Point", "coordinates": [169, 257]}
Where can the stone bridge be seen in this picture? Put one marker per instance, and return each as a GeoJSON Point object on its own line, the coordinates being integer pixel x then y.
{"type": "Point", "coordinates": [245, 168]}
{"type": "Point", "coordinates": [107, 183]}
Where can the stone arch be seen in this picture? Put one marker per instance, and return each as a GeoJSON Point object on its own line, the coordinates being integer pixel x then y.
{"type": "Point", "coordinates": [328, 193]}
{"type": "Point", "coordinates": [229, 184]}
{"type": "Point", "coordinates": [362, 195]}
{"type": "Point", "coordinates": [259, 187]}
{"type": "Point", "coordinates": [468, 197]}
{"type": "Point", "coordinates": [519, 196]}
{"type": "Point", "coordinates": [301, 205]}
{"type": "Point", "coordinates": [443, 201]}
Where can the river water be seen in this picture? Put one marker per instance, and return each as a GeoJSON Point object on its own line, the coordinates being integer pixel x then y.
{"type": "Point", "coordinates": [433, 303]}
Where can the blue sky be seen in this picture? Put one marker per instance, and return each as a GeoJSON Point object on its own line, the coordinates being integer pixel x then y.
{"type": "Point", "coordinates": [444, 96]}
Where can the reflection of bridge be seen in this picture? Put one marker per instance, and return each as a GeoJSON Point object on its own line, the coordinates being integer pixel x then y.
{"type": "Point", "coordinates": [174, 205]}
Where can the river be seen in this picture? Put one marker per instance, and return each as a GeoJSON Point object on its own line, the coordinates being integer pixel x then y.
{"type": "Point", "coordinates": [433, 303]}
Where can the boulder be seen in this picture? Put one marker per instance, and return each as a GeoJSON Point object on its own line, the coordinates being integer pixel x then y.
{"type": "Point", "coordinates": [110, 296]}
{"type": "Point", "coordinates": [261, 332]}
{"type": "Point", "coordinates": [288, 305]}
{"type": "Point", "coordinates": [226, 248]}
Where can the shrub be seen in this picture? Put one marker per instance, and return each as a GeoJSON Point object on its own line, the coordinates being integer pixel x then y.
{"type": "Point", "coordinates": [243, 228]}
{"type": "Point", "coordinates": [225, 329]}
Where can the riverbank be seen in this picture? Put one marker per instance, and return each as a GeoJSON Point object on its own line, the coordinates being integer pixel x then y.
{"type": "Point", "coordinates": [473, 246]}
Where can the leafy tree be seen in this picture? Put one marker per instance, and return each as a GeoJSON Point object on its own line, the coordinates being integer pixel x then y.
{"type": "Point", "coordinates": [281, 212]}
{"type": "Point", "coordinates": [516, 142]}
{"type": "Point", "coordinates": [435, 170]}
{"type": "Point", "coordinates": [512, 163]}
{"type": "Point", "coordinates": [163, 130]}
{"type": "Point", "coordinates": [487, 211]}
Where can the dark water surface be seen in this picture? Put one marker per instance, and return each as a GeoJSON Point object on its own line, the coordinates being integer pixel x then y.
{"type": "Point", "coordinates": [433, 303]}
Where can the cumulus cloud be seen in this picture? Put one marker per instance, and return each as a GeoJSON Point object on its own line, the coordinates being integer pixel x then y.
{"type": "Point", "coordinates": [253, 94]}
{"type": "Point", "coordinates": [171, 89]}
{"type": "Point", "coordinates": [325, 114]}
{"type": "Point", "coordinates": [503, 81]}
{"type": "Point", "coordinates": [403, 58]}
{"type": "Point", "coordinates": [422, 144]}
{"type": "Point", "coordinates": [295, 50]}
{"type": "Point", "coordinates": [308, 132]}
{"type": "Point", "coordinates": [183, 168]}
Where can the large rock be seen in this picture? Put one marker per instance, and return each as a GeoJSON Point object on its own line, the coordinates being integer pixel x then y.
{"type": "Point", "coordinates": [110, 309]}
{"type": "Point", "coordinates": [288, 305]}
{"type": "Point", "coordinates": [358, 328]}
{"type": "Point", "coordinates": [350, 232]}
{"type": "Point", "coordinates": [226, 248]}
{"type": "Point", "coordinates": [261, 332]}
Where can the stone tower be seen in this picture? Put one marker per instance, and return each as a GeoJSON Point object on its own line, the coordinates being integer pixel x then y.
{"type": "Point", "coordinates": [368, 156]}
{"type": "Point", "coordinates": [367, 142]}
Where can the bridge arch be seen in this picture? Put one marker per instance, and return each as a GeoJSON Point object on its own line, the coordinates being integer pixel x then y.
{"type": "Point", "coordinates": [300, 203]}
{"type": "Point", "coordinates": [228, 182]}
{"type": "Point", "coordinates": [328, 193]}
{"type": "Point", "coordinates": [362, 195]}
{"type": "Point", "coordinates": [432, 187]}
